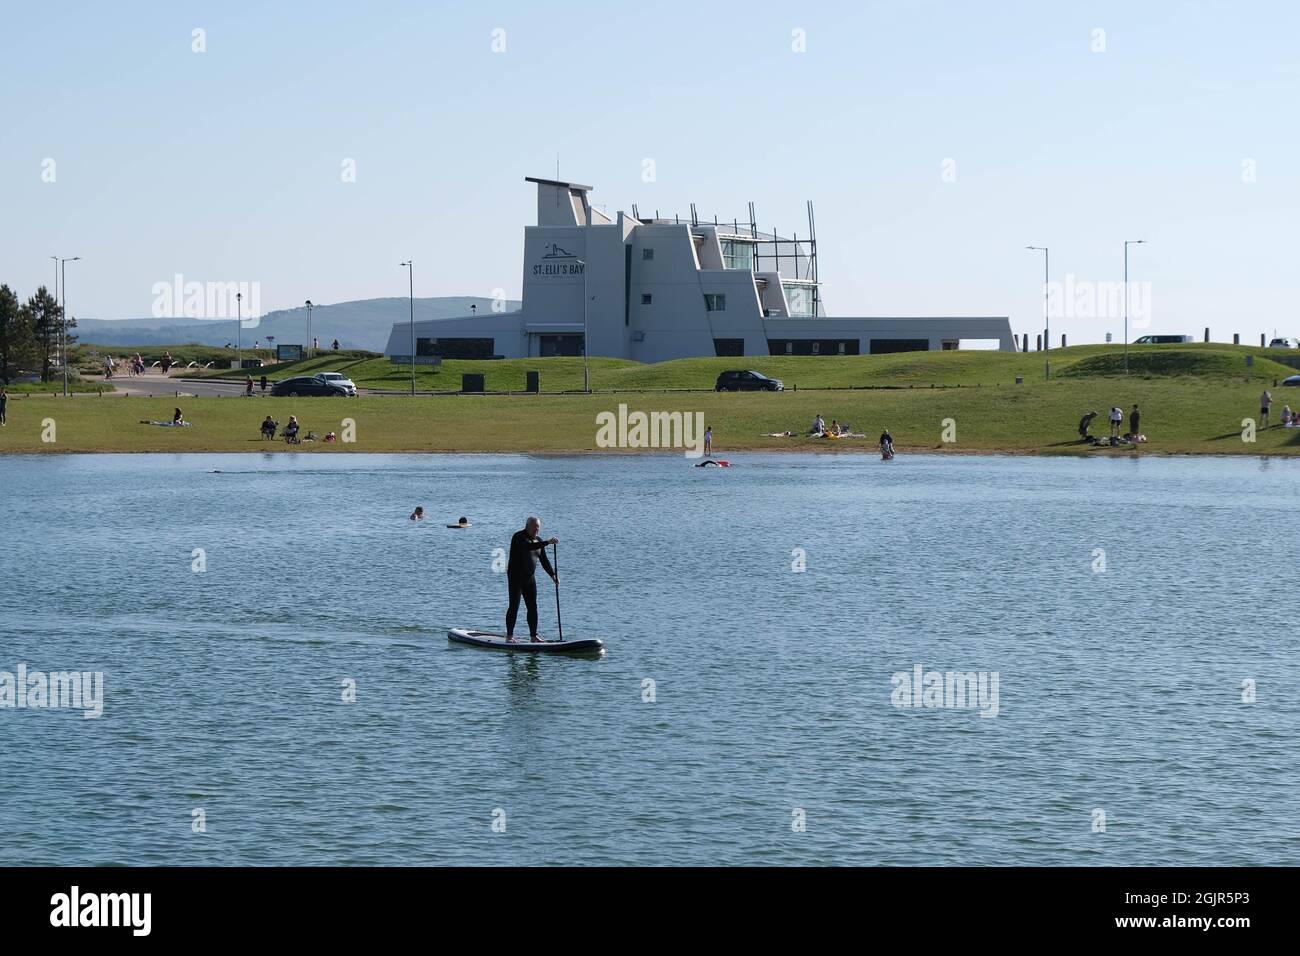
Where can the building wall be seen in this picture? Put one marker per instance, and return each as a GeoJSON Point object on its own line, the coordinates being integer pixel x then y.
{"type": "Point", "coordinates": [576, 260]}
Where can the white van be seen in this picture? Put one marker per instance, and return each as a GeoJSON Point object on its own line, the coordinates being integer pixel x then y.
{"type": "Point", "coordinates": [1284, 344]}
{"type": "Point", "coordinates": [1163, 340]}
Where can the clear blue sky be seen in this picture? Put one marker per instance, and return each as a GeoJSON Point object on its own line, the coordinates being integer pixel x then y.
{"type": "Point", "coordinates": [225, 165]}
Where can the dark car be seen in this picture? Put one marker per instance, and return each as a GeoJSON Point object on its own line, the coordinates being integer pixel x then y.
{"type": "Point", "coordinates": [1291, 380]}
{"type": "Point", "coordinates": [748, 381]}
{"type": "Point", "coordinates": [307, 386]}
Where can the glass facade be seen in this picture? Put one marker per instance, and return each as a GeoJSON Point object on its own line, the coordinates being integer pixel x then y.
{"type": "Point", "coordinates": [737, 255]}
{"type": "Point", "coordinates": [456, 348]}
{"type": "Point", "coordinates": [799, 298]}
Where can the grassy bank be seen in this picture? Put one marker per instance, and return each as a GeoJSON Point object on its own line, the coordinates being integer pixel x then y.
{"type": "Point", "coordinates": [1180, 415]}
{"type": "Point", "coordinates": [1216, 361]}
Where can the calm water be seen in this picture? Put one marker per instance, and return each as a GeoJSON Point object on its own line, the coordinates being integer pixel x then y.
{"type": "Point", "coordinates": [1119, 691]}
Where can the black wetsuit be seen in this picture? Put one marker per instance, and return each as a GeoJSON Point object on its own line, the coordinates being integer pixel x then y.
{"type": "Point", "coordinates": [519, 574]}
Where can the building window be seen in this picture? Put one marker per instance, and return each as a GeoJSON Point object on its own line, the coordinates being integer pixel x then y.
{"type": "Point", "coordinates": [737, 255]}
{"type": "Point", "coordinates": [646, 298]}
{"type": "Point", "coordinates": [647, 254]}
{"type": "Point", "coordinates": [886, 346]}
{"type": "Point", "coordinates": [553, 345]}
{"type": "Point", "coordinates": [729, 347]}
{"type": "Point", "coordinates": [800, 299]}
{"type": "Point", "coordinates": [468, 348]}
{"type": "Point", "coordinates": [715, 301]}
{"type": "Point", "coordinates": [813, 346]}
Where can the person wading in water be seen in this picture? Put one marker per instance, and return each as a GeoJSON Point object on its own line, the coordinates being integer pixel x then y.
{"type": "Point", "coordinates": [526, 548]}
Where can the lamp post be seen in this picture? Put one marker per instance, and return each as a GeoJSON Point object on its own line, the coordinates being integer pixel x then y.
{"type": "Point", "coordinates": [63, 316]}
{"type": "Point", "coordinates": [1127, 243]}
{"type": "Point", "coordinates": [56, 302]}
{"type": "Point", "coordinates": [1047, 319]}
{"type": "Point", "coordinates": [409, 266]}
{"type": "Point", "coordinates": [586, 374]}
{"type": "Point", "coordinates": [307, 346]}
{"type": "Point", "coordinates": [239, 330]}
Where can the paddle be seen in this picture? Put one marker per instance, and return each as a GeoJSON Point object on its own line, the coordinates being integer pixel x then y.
{"type": "Point", "coordinates": [558, 623]}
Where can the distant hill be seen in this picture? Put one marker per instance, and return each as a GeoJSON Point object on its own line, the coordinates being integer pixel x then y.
{"type": "Point", "coordinates": [364, 324]}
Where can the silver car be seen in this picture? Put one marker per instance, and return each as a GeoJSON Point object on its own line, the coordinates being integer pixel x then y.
{"type": "Point", "coordinates": [338, 380]}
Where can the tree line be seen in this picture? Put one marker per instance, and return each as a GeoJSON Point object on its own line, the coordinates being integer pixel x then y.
{"type": "Point", "coordinates": [30, 333]}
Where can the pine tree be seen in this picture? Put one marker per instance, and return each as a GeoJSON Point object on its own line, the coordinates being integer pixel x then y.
{"type": "Point", "coordinates": [17, 339]}
{"type": "Point", "coordinates": [46, 317]}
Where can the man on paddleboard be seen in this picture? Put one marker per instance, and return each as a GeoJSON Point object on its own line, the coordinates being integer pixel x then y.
{"type": "Point", "coordinates": [526, 548]}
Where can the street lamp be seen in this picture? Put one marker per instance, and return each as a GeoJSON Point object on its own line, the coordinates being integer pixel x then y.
{"type": "Point", "coordinates": [1127, 243]}
{"type": "Point", "coordinates": [1047, 320]}
{"type": "Point", "coordinates": [56, 302]}
{"type": "Point", "coordinates": [586, 374]}
{"type": "Point", "coordinates": [409, 266]}
{"type": "Point", "coordinates": [308, 343]}
{"type": "Point", "coordinates": [63, 315]}
{"type": "Point", "coordinates": [239, 330]}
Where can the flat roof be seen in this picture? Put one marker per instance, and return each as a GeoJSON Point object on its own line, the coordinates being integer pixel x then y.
{"type": "Point", "coordinates": [556, 182]}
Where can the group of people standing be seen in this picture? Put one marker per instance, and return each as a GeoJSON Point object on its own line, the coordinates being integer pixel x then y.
{"type": "Point", "coordinates": [1116, 418]}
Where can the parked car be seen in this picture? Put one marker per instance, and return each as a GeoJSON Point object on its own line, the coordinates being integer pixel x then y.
{"type": "Point", "coordinates": [1163, 340]}
{"type": "Point", "coordinates": [1284, 343]}
{"type": "Point", "coordinates": [748, 381]}
{"type": "Point", "coordinates": [309, 386]}
{"type": "Point", "coordinates": [336, 378]}
{"type": "Point", "coordinates": [1291, 380]}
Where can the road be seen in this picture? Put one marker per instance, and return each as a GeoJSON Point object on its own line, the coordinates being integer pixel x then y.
{"type": "Point", "coordinates": [163, 386]}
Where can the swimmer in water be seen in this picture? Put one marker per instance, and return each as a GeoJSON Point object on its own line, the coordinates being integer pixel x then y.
{"type": "Point", "coordinates": [417, 514]}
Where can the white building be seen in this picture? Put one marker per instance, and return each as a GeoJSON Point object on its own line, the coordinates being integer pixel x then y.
{"type": "Point", "coordinates": [657, 289]}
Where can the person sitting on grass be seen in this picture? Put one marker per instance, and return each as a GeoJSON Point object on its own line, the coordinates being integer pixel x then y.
{"type": "Point", "coordinates": [1286, 416]}
{"type": "Point", "coordinates": [818, 426]}
{"type": "Point", "coordinates": [178, 418]}
{"type": "Point", "coordinates": [291, 430]}
{"type": "Point", "coordinates": [269, 425]}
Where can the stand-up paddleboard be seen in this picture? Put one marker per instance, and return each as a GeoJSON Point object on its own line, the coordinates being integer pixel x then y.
{"type": "Point", "coordinates": [464, 635]}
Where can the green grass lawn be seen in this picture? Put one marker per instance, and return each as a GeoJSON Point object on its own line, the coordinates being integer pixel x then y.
{"type": "Point", "coordinates": [1181, 414]}
{"type": "Point", "coordinates": [55, 386]}
{"type": "Point", "coordinates": [900, 370]}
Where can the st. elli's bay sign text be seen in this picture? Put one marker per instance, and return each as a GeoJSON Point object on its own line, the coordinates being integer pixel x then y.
{"type": "Point", "coordinates": [558, 262]}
